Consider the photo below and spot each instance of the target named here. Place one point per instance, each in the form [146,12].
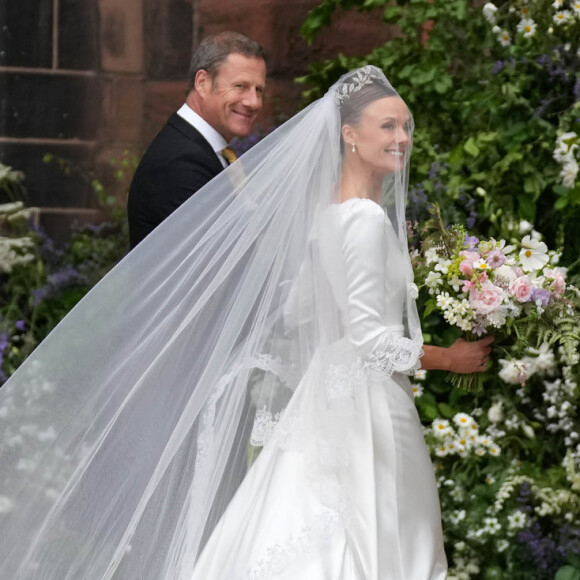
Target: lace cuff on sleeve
[401,355]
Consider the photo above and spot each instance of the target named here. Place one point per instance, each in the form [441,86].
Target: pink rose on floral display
[487,299]
[521,288]
[469,258]
[559,282]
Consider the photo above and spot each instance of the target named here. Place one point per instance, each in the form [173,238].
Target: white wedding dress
[344,488]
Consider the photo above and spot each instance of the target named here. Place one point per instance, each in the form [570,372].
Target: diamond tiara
[364,76]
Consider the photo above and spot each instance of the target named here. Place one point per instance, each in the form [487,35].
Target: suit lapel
[181,125]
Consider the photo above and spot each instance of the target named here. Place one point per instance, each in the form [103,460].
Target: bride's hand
[469,357]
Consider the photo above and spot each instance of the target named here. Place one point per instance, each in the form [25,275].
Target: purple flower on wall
[64,278]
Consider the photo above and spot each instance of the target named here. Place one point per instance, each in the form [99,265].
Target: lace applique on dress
[264,425]
[342,380]
[279,557]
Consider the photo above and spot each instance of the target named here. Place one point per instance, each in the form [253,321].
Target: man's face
[230,104]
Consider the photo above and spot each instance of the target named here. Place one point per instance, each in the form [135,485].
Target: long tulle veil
[126,433]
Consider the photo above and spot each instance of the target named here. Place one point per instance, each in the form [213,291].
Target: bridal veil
[126,433]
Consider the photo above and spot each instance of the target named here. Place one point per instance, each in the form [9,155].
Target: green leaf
[471,147]
[560,189]
[447,411]
[527,207]
[430,412]
[567,573]
[392,14]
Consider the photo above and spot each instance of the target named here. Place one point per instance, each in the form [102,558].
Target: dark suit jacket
[178,162]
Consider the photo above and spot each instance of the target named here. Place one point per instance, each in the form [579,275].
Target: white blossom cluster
[565,154]
[549,501]
[565,12]
[461,437]
[15,251]
[465,566]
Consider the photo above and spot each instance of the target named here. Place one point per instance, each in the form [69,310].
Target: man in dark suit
[226,84]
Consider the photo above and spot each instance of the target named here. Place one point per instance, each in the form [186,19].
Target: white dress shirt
[216,141]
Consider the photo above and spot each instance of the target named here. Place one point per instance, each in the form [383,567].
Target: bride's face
[382,136]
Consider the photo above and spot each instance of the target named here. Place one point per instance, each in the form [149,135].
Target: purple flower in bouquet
[470,243]
[541,296]
[495,259]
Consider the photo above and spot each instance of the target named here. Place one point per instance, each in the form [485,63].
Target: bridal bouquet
[511,290]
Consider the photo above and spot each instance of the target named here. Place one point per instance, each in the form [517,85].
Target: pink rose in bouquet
[487,298]
[521,289]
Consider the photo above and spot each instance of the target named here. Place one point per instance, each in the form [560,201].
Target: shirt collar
[216,141]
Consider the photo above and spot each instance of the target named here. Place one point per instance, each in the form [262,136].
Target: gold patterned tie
[229,155]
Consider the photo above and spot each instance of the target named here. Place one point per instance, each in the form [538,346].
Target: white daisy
[562,16]
[504,38]
[417,391]
[441,428]
[463,420]
[558,4]
[527,27]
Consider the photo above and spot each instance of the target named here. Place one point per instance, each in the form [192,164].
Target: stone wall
[88,80]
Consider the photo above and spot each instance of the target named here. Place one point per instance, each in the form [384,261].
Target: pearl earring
[353,148]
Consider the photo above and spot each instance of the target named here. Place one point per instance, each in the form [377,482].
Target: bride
[231,401]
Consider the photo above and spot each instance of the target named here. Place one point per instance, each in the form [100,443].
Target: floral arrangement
[511,290]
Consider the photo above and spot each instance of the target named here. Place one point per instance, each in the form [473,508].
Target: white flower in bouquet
[481,265]
[417,390]
[527,27]
[525,227]
[558,4]
[431,256]
[497,318]
[576,8]
[443,266]
[533,255]
[433,280]
[504,275]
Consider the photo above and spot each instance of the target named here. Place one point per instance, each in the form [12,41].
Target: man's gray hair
[213,51]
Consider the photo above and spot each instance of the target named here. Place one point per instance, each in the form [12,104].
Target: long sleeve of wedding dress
[344,488]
